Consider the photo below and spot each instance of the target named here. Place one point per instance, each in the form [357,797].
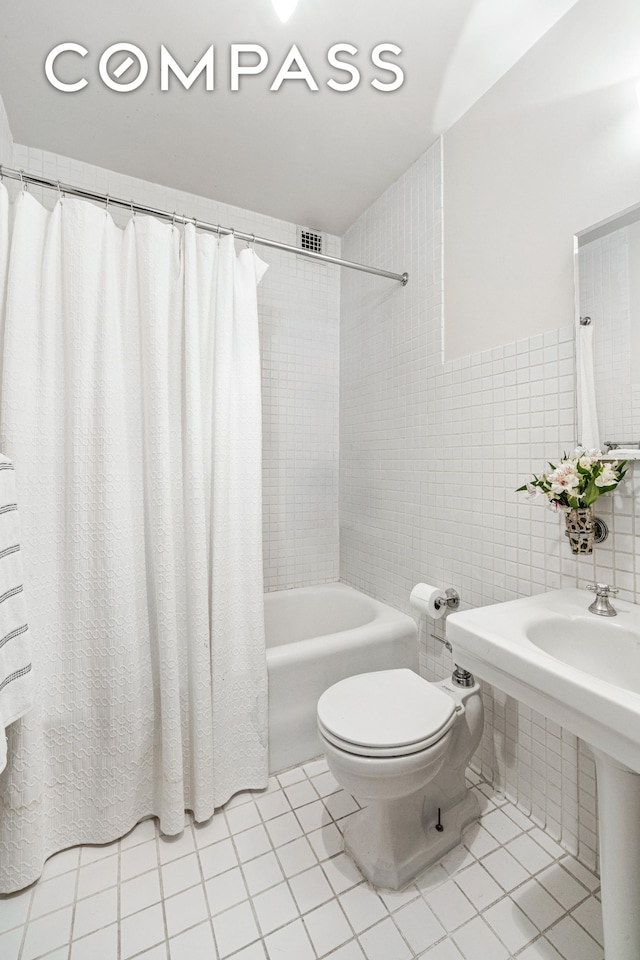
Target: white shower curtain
[130,405]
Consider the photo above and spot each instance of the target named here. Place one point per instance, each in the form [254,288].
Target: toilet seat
[390,713]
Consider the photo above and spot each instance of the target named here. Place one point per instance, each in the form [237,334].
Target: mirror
[608,334]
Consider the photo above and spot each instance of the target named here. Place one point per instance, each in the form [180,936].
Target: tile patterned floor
[266,878]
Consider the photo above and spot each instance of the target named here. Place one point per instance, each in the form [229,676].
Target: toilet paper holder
[450,599]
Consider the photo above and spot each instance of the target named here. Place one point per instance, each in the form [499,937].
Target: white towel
[16,676]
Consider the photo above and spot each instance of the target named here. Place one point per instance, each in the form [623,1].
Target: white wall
[6,140]
[431,454]
[553,147]
[299,316]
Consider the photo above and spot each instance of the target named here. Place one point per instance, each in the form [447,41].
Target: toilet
[400,745]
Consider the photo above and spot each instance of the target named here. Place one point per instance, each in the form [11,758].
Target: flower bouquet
[573,486]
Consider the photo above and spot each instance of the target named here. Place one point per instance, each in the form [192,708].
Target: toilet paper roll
[423,598]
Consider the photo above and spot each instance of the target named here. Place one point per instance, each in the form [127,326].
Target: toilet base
[392,841]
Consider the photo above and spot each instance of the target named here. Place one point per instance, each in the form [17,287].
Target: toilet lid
[385,711]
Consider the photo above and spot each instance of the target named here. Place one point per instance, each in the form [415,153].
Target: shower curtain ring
[218,231]
[173,219]
[106,202]
[133,209]
[1,174]
[22,183]
[60,193]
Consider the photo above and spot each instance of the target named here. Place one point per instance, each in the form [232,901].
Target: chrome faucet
[601,604]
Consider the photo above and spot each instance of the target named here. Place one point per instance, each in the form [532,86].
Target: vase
[580,529]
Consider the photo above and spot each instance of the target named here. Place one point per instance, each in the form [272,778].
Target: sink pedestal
[619,831]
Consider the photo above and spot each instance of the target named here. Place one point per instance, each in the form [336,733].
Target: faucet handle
[602,589]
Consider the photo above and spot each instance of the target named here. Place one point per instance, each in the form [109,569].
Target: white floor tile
[350,951]
[478,840]
[262,873]
[296,856]
[500,826]
[214,830]
[101,943]
[325,784]
[289,943]
[218,858]
[340,804]
[511,925]
[10,943]
[61,863]
[418,925]
[14,909]
[274,908]
[450,905]
[538,904]
[310,889]
[530,854]
[235,928]
[309,900]
[225,890]
[586,877]
[172,848]
[273,805]
[326,842]
[328,927]
[476,940]
[141,931]
[562,886]
[47,933]
[193,944]
[362,906]
[540,950]
[185,909]
[589,916]
[479,886]
[315,767]
[288,777]
[133,862]
[342,873]
[384,942]
[299,794]
[505,869]
[181,874]
[283,829]
[95,912]
[242,818]
[138,893]
[252,843]
[573,942]
[445,950]
[313,816]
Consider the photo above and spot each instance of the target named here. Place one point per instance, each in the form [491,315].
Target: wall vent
[309,240]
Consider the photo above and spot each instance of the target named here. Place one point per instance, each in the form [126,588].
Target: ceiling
[314,158]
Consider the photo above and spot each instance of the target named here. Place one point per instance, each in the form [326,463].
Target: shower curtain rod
[66,188]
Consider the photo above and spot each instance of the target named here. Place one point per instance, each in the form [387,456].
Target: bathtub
[315,637]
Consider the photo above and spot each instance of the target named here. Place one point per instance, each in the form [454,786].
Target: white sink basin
[578,669]
[582,671]
[608,651]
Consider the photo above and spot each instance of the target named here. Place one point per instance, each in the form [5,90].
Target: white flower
[607,477]
[586,462]
[564,478]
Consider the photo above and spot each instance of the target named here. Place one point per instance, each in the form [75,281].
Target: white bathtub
[315,637]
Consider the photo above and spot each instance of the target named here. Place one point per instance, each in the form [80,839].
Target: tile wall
[299,304]
[431,454]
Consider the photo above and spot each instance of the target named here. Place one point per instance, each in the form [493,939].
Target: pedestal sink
[583,672]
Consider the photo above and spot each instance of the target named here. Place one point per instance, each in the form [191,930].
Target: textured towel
[16,678]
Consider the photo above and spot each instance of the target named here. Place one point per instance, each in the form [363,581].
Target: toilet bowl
[400,745]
